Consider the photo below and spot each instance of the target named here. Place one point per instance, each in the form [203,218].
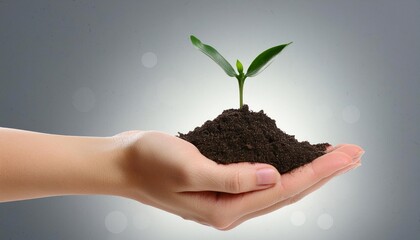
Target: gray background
[102,67]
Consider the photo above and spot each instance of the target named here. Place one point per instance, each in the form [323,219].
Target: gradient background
[97,68]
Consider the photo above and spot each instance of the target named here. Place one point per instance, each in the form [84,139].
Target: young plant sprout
[260,63]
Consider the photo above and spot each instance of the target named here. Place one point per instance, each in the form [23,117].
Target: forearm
[34,165]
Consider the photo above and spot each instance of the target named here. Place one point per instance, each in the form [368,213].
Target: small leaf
[215,55]
[239,66]
[263,60]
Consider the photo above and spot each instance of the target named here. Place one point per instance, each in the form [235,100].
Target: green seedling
[260,63]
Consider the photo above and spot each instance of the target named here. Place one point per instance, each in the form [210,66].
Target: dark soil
[240,135]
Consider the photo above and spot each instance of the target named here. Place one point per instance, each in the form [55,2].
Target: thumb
[238,177]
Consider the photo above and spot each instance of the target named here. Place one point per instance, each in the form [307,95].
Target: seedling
[260,63]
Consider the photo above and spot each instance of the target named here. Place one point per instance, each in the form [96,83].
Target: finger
[245,177]
[293,183]
[332,148]
[293,199]
[317,185]
[350,149]
[304,177]
[234,178]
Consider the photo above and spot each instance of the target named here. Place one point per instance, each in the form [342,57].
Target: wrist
[96,165]
[125,152]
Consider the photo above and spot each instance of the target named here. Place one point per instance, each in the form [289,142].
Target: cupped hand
[169,173]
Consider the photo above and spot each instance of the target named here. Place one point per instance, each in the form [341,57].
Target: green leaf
[239,66]
[263,60]
[215,55]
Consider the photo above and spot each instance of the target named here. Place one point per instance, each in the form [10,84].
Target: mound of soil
[241,135]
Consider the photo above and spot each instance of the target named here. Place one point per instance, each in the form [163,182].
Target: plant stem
[241,90]
[241,81]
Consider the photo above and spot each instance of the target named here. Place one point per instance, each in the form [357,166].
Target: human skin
[159,170]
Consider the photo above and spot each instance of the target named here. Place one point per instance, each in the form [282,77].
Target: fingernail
[266,176]
[358,156]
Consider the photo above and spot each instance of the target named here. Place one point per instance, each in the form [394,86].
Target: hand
[160,170]
[169,173]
